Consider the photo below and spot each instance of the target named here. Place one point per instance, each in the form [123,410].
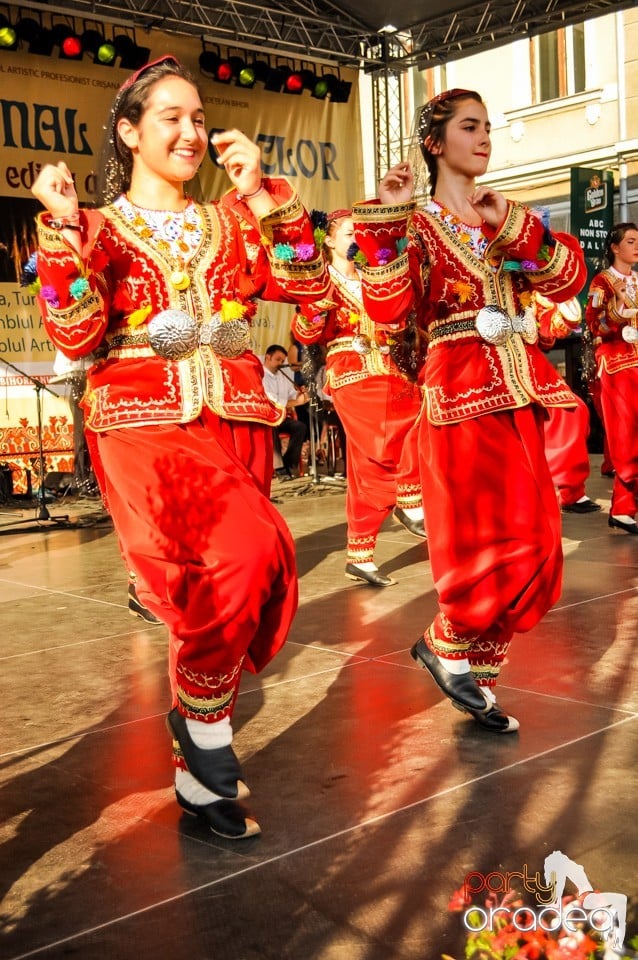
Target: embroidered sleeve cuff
[519,237]
[381,229]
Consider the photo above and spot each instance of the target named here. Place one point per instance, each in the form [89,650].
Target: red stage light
[72,47]
[294,83]
[224,72]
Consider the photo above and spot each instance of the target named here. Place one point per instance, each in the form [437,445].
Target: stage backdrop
[53,109]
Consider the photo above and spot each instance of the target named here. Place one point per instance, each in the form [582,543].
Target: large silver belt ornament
[174,335]
[228,338]
[361,344]
[495,326]
[629,334]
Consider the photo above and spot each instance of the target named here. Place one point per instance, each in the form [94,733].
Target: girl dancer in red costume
[162,288]
[492,517]
[376,402]
[612,317]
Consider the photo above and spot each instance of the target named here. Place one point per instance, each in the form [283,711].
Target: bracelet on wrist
[66,223]
[251,196]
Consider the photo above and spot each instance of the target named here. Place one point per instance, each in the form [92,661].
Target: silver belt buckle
[493,325]
[361,344]
[229,338]
[173,334]
[525,324]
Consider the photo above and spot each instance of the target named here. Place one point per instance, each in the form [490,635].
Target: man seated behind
[282,390]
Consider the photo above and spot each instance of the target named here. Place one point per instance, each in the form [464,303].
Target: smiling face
[465,146]
[170,141]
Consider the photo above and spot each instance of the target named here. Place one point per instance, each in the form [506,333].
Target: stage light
[131,56]
[321,89]
[341,93]
[208,62]
[246,77]
[293,82]
[106,54]
[71,48]
[8,34]
[224,71]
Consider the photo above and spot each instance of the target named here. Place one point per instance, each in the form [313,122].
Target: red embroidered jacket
[343,326]
[126,273]
[613,354]
[439,282]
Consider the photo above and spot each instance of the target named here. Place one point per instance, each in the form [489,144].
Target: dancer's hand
[398,184]
[490,205]
[55,190]
[241,159]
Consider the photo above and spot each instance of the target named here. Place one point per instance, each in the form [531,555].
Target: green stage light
[8,37]
[320,89]
[246,77]
[105,53]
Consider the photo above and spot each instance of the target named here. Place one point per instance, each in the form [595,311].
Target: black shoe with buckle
[373,577]
[217,769]
[581,506]
[137,609]
[494,720]
[415,527]
[226,818]
[627,527]
[461,688]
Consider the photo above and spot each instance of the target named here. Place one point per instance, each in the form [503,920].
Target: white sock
[192,790]
[368,565]
[582,499]
[488,693]
[210,736]
[623,517]
[455,666]
[413,513]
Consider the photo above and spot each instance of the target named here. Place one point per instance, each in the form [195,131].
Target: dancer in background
[376,402]
[492,516]
[566,428]
[162,287]
[612,317]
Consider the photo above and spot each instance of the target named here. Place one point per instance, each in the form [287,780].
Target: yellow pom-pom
[138,317]
[231,310]
[353,319]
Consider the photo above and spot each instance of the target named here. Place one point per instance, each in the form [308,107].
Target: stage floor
[375,797]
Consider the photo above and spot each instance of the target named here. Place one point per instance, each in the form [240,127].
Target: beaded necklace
[175,233]
[472,237]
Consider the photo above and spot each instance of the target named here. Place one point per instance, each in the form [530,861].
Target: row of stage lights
[283,77]
[29,33]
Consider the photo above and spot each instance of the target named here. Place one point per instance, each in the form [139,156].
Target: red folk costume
[566,429]
[215,560]
[614,333]
[491,511]
[377,405]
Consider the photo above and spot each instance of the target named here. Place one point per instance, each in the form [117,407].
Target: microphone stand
[43,512]
[309,371]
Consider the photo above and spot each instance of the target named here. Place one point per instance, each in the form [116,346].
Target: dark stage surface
[375,797]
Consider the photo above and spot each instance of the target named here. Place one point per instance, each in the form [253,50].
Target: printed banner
[592,215]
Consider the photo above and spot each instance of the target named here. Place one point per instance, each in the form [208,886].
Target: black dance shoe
[581,506]
[216,769]
[415,527]
[461,688]
[137,609]
[627,527]
[373,577]
[494,720]
[226,818]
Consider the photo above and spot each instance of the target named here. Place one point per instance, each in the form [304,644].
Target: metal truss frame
[323,31]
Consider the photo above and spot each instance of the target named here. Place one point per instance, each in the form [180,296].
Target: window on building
[558,63]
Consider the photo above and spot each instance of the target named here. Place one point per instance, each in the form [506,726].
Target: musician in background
[281,389]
